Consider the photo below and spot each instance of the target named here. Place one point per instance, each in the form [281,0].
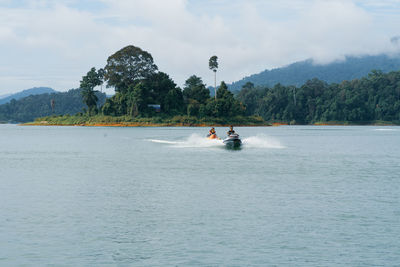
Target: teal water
[292,196]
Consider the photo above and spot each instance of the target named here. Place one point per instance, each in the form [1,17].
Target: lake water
[292,196]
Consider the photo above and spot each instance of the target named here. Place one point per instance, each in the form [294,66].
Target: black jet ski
[233,141]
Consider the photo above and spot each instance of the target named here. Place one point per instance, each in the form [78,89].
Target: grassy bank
[360,123]
[101,120]
[340,123]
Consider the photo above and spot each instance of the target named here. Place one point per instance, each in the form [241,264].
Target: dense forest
[143,91]
[139,86]
[300,72]
[33,106]
[369,99]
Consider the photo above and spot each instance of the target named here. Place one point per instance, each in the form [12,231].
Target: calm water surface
[292,196]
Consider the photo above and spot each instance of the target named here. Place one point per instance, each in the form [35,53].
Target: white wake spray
[386,129]
[261,141]
[164,141]
[195,140]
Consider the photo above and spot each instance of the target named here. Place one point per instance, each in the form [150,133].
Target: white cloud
[55,43]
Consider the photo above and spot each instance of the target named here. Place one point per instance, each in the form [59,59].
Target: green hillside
[372,99]
[25,93]
[298,73]
[33,106]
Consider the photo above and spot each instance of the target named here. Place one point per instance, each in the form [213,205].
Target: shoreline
[144,124]
[136,124]
[126,121]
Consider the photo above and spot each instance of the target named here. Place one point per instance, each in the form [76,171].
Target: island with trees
[145,96]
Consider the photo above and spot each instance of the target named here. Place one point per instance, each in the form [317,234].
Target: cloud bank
[54,43]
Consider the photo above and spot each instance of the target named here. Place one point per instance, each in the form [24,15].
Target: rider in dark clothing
[231,131]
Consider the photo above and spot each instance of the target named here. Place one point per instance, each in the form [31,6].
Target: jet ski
[232,141]
[212,136]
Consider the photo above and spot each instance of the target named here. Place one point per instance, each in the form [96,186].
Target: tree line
[372,98]
[300,72]
[139,86]
[34,106]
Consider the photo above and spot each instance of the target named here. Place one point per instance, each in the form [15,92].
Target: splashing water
[385,129]
[195,140]
[262,141]
[163,141]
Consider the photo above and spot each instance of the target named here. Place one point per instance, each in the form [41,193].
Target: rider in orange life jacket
[231,131]
[211,132]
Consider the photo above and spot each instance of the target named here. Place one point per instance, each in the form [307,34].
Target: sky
[53,43]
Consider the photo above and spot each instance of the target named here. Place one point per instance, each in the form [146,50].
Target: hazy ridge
[300,72]
[25,93]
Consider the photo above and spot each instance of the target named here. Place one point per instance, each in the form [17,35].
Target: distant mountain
[4,96]
[25,93]
[300,72]
[28,108]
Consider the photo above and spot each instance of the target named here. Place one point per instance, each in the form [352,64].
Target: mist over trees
[300,72]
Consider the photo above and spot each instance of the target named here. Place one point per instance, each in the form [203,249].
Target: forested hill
[300,72]
[27,92]
[374,98]
[33,106]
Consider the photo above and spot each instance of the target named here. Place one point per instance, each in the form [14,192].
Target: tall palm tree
[213,65]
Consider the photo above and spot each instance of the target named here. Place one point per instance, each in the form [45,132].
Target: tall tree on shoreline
[213,65]
[127,67]
[92,79]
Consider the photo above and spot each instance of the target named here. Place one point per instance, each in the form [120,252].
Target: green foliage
[370,99]
[178,120]
[31,107]
[27,92]
[140,90]
[213,63]
[195,89]
[159,84]
[300,72]
[225,104]
[193,108]
[133,74]
[173,102]
[88,83]
[92,79]
[127,67]
[137,99]
[251,98]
